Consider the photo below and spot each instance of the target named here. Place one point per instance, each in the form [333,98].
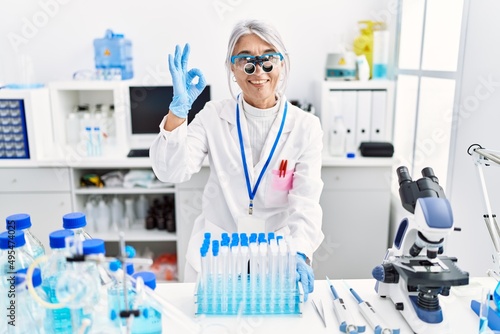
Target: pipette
[345,318]
[373,319]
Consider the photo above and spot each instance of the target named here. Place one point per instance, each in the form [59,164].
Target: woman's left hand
[305,275]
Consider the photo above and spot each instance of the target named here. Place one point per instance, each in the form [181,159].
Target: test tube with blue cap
[215,272]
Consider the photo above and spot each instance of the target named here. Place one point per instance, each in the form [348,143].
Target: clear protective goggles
[248,63]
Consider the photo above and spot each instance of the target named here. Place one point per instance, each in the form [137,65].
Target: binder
[378,122]
[364,117]
[349,112]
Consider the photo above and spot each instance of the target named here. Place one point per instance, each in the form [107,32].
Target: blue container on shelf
[113,56]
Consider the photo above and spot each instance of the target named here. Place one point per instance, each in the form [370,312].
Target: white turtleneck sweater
[259,121]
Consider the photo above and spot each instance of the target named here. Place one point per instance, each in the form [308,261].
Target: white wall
[478,121]
[58,34]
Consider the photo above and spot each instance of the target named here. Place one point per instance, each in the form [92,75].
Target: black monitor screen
[149,104]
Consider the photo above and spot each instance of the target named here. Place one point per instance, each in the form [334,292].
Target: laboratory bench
[456,310]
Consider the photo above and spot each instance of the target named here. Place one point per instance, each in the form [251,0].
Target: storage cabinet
[356,207]
[42,192]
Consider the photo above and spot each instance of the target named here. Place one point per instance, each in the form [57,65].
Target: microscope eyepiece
[403,175]
[429,172]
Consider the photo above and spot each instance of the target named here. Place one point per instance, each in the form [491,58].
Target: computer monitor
[148,106]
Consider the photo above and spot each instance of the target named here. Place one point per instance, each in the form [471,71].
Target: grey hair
[268,34]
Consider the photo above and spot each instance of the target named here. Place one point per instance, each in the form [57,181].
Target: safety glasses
[248,63]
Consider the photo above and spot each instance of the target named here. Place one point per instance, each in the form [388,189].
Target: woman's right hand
[185,92]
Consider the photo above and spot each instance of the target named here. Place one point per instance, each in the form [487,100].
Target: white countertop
[456,310]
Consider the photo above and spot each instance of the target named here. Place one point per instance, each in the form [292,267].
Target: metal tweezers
[320,311]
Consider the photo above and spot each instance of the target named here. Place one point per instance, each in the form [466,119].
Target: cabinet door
[355,223]
[188,203]
[46,211]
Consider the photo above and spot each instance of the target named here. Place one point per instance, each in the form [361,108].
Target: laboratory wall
[57,35]
[477,121]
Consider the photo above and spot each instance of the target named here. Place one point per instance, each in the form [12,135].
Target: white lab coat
[178,154]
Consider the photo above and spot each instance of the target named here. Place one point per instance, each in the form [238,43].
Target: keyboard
[138,153]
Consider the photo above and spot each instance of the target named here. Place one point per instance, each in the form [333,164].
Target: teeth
[258,82]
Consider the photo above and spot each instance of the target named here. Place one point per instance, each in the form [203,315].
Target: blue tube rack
[280,301]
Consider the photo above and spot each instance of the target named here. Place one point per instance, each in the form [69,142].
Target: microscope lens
[403,175]
[429,172]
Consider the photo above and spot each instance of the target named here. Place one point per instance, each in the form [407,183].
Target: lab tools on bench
[248,275]
[372,317]
[413,281]
[344,317]
[319,309]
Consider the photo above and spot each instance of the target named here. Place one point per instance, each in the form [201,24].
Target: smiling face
[259,88]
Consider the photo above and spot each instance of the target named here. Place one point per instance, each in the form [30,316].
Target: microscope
[415,270]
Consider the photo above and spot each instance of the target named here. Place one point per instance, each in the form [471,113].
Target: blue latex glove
[305,275]
[185,92]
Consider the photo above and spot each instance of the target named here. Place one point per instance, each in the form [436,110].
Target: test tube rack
[248,276]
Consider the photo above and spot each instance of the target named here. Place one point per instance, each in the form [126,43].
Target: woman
[264,153]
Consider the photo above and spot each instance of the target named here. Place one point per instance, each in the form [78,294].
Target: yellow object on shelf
[363,44]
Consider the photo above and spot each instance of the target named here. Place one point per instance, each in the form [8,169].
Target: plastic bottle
[29,315]
[117,212]
[72,128]
[35,309]
[103,216]
[149,321]
[363,68]
[337,137]
[22,221]
[58,321]
[380,54]
[98,311]
[142,206]
[76,222]
[91,215]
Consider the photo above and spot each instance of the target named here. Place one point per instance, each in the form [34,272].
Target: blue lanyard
[251,193]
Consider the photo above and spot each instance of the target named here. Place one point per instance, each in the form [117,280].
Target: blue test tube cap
[207,235]
[278,238]
[36,278]
[93,246]
[351,155]
[244,242]
[262,237]
[130,252]
[11,238]
[224,236]
[19,221]
[243,236]
[224,242]
[57,239]
[235,243]
[253,237]
[148,277]
[270,236]
[74,220]
[203,251]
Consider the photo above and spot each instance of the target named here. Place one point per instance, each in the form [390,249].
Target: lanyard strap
[251,193]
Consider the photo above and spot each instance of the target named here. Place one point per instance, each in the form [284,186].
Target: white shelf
[124,191]
[138,235]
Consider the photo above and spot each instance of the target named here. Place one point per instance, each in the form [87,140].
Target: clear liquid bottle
[116,297]
[117,214]
[149,320]
[97,312]
[28,314]
[37,311]
[11,242]
[76,222]
[22,221]
[63,320]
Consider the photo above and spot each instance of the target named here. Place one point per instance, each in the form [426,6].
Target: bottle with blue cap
[28,316]
[76,222]
[58,321]
[116,299]
[25,299]
[97,311]
[149,320]
[22,221]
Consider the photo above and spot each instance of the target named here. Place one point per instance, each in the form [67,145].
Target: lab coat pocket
[278,188]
